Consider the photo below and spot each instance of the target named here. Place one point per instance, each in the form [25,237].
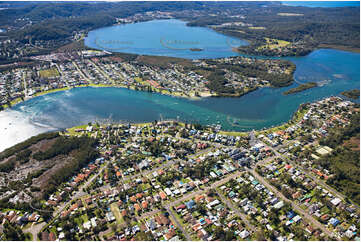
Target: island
[301,88]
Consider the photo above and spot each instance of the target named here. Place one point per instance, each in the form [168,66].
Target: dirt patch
[54,165]
[42,145]
[162,61]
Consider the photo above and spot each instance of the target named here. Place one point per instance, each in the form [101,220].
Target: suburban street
[294,205]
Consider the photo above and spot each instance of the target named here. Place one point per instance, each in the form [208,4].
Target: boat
[196,49]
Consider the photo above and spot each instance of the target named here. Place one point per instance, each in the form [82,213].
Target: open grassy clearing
[273,44]
[48,73]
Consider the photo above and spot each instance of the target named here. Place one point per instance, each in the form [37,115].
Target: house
[168,192]
[334,222]
[336,201]
[162,195]
[291,214]
[181,207]
[171,233]
[297,218]
[144,204]
[244,234]
[164,219]
[137,207]
[278,205]
[190,204]
[45,236]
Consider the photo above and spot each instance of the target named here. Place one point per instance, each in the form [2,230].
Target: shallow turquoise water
[339,70]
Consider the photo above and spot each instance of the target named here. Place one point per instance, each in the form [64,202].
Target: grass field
[233,133]
[257,28]
[48,73]
[274,43]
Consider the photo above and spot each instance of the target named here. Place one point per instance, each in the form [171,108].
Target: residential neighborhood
[65,70]
[171,181]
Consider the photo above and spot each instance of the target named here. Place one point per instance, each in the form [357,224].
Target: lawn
[48,73]
[115,210]
[72,130]
[233,133]
[256,27]
[274,43]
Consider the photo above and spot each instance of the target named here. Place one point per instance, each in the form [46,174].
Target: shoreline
[132,87]
[43,93]
[296,117]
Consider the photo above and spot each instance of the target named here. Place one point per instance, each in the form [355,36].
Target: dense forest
[344,162]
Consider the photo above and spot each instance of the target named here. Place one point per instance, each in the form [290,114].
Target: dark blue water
[323,4]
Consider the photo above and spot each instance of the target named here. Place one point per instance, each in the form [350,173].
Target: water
[323,4]
[163,38]
[335,70]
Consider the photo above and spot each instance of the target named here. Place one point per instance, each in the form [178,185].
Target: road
[294,205]
[62,74]
[81,72]
[103,72]
[188,237]
[35,229]
[236,210]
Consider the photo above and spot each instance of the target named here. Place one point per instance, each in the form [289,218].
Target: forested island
[300,88]
[354,94]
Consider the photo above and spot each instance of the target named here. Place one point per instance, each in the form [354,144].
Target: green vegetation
[8,165]
[305,28]
[215,73]
[354,94]
[300,88]
[344,162]
[23,156]
[12,232]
